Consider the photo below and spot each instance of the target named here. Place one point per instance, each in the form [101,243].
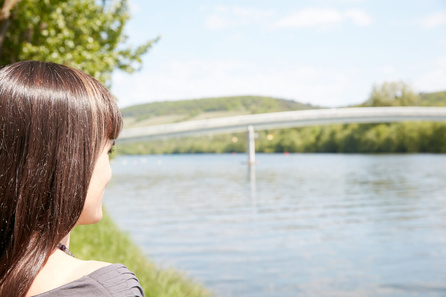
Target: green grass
[105,242]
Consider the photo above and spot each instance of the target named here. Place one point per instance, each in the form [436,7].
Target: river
[293,225]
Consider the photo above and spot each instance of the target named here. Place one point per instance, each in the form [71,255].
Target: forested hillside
[177,111]
[406,137]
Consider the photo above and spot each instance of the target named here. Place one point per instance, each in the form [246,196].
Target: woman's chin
[91,219]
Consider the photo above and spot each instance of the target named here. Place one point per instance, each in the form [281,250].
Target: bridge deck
[286,120]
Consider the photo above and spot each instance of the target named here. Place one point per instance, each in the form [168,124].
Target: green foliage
[105,242]
[392,94]
[193,145]
[84,34]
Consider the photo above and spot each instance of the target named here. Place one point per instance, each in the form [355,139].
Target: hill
[433,99]
[156,113]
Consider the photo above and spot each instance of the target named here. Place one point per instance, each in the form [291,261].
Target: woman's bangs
[109,119]
[113,121]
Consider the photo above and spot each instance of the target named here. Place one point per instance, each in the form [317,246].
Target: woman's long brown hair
[54,121]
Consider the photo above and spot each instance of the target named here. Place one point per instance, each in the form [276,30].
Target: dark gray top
[113,280]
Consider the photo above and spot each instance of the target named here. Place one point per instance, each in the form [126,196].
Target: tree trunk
[5,13]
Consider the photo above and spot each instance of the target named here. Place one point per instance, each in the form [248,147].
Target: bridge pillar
[251,145]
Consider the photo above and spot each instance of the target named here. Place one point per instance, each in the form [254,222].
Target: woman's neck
[66,240]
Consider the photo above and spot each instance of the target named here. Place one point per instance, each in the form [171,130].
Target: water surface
[296,225]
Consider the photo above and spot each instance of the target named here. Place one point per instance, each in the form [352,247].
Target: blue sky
[327,53]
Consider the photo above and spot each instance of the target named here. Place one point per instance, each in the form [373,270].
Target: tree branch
[8,5]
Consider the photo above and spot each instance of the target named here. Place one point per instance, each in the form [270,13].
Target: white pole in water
[251,145]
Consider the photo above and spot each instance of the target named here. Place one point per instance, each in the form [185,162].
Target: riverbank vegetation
[402,137]
[105,242]
[407,137]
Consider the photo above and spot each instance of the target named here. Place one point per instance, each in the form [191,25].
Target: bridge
[287,119]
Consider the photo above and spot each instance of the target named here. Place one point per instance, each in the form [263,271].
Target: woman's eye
[112,148]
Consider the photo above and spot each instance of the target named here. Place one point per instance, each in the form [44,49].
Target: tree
[83,34]
[392,94]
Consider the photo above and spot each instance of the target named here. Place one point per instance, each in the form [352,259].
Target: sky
[328,53]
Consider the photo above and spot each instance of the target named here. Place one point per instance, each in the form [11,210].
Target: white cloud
[318,85]
[225,17]
[311,17]
[434,20]
[343,1]
[434,78]
[387,70]
[250,14]
[216,22]
[134,7]
[228,77]
[237,37]
[323,18]
[359,17]
[221,9]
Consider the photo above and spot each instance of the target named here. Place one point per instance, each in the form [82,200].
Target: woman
[57,128]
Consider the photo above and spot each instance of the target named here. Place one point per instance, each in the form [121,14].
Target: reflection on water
[252,183]
[304,224]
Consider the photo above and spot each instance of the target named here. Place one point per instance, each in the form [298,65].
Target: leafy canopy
[392,94]
[84,34]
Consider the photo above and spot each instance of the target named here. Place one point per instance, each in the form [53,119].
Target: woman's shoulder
[106,280]
[118,279]
[87,267]
[61,269]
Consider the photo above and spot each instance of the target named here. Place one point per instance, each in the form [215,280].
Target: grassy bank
[105,242]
